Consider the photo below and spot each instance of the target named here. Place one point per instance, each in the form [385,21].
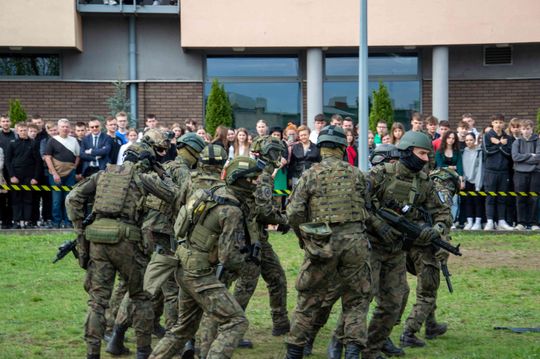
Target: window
[29,65]
[399,72]
[259,88]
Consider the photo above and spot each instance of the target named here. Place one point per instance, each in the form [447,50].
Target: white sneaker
[490,226]
[105,2]
[469,224]
[535,228]
[156,2]
[520,227]
[477,226]
[113,2]
[503,226]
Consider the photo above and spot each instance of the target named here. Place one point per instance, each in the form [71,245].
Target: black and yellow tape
[277,192]
[33,187]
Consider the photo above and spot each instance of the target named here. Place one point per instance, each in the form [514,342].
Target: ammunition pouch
[111,231]
[316,238]
[194,262]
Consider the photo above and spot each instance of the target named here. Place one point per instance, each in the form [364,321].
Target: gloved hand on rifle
[424,239]
[387,233]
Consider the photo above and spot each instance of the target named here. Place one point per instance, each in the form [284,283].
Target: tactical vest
[335,199]
[116,197]
[402,195]
[200,227]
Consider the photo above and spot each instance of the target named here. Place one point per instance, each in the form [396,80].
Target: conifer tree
[218,108]
[382,108]
[16,112]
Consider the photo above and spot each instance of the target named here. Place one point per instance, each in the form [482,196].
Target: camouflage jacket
[160,214]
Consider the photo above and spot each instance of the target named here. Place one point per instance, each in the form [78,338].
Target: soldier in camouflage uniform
[405,188]
[327,210]
[212,228]
[115,241]
[267,149]
[424,262]
[381,154]
[157,232]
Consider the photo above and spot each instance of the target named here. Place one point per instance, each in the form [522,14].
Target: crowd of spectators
[497,158]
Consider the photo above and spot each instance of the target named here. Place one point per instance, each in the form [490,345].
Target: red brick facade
[78,101]
[483,98]
[179,101]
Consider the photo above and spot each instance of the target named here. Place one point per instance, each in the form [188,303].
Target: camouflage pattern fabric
[127,256]
[201,292]
[349,262]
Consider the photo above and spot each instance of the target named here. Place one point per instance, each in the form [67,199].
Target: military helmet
[192,140]
[447,177]
[332,134]
[415,139]
[383,153]
[213,155]
[156,139]
[243,167]
[270,148]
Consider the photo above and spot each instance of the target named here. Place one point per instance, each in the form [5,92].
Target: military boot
[189,350]
[352,351]
[434,330]
[144,352]
[93,356]
[335,348]
[281,324]
[294,352]
[391,350]
[308,348]
[409,339]
[116,344]
[245,344]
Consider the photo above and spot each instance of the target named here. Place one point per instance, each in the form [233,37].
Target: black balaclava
[411,161]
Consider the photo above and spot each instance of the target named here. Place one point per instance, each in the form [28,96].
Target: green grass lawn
[496,283]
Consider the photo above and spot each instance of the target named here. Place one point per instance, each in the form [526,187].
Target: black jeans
[471,206]
[526,205]
[496,205]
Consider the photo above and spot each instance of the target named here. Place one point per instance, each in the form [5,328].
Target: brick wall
[78,101]
[483,98]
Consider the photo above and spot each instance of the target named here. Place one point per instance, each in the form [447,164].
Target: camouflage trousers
[273,274]
[203,294]
[106,260]
[390,290]
[350,265]
[428,280]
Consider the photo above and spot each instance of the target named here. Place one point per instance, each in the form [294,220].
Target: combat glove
[424,239]
[387,233]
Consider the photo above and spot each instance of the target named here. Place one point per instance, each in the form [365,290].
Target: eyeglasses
[93,126]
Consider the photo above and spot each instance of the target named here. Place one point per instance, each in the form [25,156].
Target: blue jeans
[59,197]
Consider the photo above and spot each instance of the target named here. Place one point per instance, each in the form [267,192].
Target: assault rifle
[71,246]
[411,230]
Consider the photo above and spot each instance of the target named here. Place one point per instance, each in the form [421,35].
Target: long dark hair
[455,146]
